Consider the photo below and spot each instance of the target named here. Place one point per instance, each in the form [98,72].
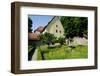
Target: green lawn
[62,52]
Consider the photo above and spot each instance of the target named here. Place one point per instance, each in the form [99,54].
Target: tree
[30,43]
[61,40]
[29,24]
[48,38]
[74,26]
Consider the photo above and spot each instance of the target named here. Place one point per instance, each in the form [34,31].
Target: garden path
[34,57]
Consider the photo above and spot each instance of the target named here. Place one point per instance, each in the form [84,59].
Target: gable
[53,22]
[55,27]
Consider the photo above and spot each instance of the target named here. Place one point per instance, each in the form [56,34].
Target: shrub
[61,40]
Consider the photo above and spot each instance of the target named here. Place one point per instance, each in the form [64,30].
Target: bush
[61,40]
[48,38]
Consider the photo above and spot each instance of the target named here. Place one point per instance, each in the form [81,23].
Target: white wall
[5,33]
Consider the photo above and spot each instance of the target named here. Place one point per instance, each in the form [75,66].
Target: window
[60,31]
[56,31]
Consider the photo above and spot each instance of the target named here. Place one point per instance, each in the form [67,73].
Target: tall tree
[74,26]
[29,24]
[30,43]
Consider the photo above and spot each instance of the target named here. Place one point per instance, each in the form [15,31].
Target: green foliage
[61,40]
[74,26]
[48,38]
[29,25]
[30,47]
[39,57]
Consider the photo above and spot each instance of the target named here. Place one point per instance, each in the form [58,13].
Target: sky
[39,20]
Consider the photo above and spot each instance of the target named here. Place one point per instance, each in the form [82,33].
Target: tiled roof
[33,36]
[40,29]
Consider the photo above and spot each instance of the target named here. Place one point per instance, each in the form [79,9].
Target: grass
[62,52]
[30,48]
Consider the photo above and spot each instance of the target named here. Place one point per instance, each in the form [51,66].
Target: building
[54,27]
[39,30]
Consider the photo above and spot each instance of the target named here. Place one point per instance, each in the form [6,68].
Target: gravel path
[34,57]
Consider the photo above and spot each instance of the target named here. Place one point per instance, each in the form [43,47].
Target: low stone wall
[78,41]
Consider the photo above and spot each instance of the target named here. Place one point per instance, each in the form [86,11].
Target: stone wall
[78,41]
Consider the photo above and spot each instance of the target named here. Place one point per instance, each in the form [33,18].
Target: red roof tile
[33,36]
[40,29]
